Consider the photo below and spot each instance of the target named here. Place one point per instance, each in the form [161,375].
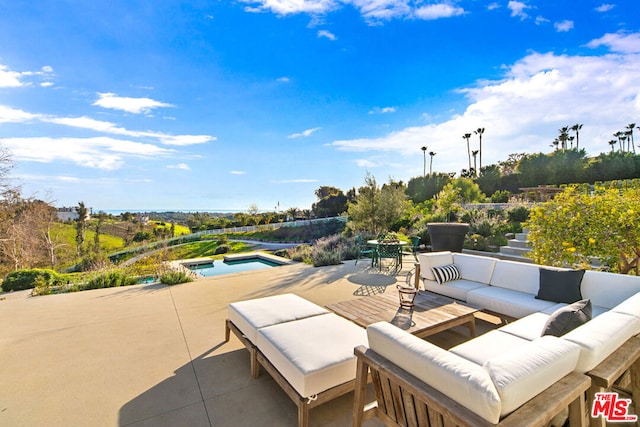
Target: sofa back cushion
[461,380]
[521,374]
[475,268]
[433,259]
[517,276]
[608,289]
[601,336]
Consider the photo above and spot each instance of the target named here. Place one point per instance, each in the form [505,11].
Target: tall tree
[431,154]
[81,225]
[612,143]
[424,160]
[619,136]
[630,127]
[467,136]
[480,132]
[474,153]
[576,128]
[564,137]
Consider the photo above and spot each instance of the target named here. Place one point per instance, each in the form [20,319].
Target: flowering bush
[575,227]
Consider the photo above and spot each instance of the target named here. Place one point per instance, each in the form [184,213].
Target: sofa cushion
[568,318]
[313,354]
[506,301]
[433,259]
[601,336]
[463,381]
[529,327]
[608,289]
[629,306]
[457,289]
[528,370]
[488,346]
[560,286]
[475,268]
[251,315]
[445,273]
[517,276]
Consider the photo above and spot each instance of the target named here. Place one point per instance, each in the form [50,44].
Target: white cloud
[286,7]
[305,133]
[493,6]
[563,26]
[182,166]
[108,127]
[373,11]
[327,34]
[518,9]
[11,115]
[605,7]
[283,79]
[9,78]
[541,20]
[523,111]
[130,105]
[383,110]
[437,11]
[619,42]
[100,153]
[237,172]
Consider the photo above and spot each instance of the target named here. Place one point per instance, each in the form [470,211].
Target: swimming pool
[219,267]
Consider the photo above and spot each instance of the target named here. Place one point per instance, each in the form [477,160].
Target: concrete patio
[153,355]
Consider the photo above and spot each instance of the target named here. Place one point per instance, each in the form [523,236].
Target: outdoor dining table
[385,248]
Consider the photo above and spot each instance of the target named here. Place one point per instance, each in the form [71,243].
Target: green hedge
[175,278]
[28,279]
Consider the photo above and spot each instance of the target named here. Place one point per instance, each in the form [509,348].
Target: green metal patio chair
[365,250]
[413,250]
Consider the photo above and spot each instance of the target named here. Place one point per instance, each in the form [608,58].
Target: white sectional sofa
[496,373]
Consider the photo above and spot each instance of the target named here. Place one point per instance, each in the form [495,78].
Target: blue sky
[211,105]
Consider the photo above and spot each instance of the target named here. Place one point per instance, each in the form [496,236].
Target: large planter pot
[447,236]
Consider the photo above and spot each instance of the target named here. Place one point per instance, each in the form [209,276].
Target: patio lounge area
[155,355]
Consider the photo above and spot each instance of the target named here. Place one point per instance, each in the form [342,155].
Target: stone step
[507,250]
[515,243]
[521,236]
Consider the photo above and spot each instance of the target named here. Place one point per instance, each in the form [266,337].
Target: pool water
[216,268]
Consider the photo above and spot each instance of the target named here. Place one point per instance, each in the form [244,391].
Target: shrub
[518,214]
[222,249]
[301,253]
[175,278]
[110,279]
[500,196]
[28,279]
[332,250]
[321,256]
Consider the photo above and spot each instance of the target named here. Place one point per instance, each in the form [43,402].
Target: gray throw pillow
[560,285]
[568,318]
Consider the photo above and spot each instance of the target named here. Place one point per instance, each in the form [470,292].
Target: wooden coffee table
[431,314]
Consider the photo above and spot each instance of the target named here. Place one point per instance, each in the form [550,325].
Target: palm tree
[576,128]
[479,132]
[619,136]
[612,143]
[431,153]
[424,162]
[630,126]
[563,137]
[571,138]
[474,153]
[467,136]
[623,139]
[555,143]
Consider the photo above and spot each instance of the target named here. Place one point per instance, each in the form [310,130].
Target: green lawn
[204,248]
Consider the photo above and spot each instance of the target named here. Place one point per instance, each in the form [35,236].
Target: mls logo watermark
[612,408]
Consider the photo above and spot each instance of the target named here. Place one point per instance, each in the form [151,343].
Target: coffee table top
[431,314]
